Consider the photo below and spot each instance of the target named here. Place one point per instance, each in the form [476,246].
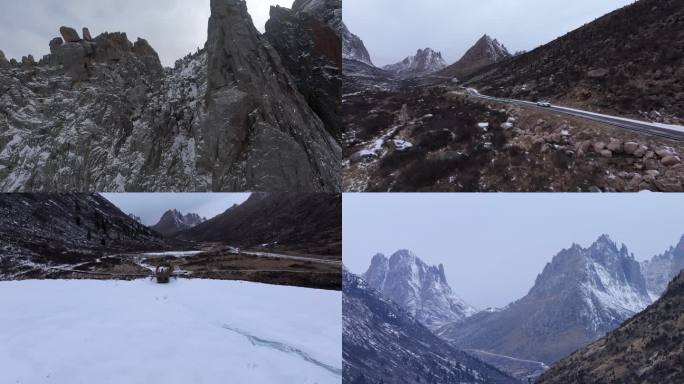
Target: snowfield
[190,331]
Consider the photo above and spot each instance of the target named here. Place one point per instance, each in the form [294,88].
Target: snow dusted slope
[353,47]
[581,294]
[661,269]
[420,289]
[385,344]
[191,331]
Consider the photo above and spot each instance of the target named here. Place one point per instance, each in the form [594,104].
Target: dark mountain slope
[486,51]
[382,343]
[628,61]
[67,228]
[281,221]
[649,348]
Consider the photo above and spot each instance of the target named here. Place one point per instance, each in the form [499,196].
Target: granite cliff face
[257,121]
[307,38]
[102,114]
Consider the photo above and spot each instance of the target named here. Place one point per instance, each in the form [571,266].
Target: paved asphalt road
[643,127]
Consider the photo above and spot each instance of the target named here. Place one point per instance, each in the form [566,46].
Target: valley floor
[199,331]
[204,261]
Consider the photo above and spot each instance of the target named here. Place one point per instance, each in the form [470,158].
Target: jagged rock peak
[69,34]
[353,47]
[419,288]
[254,107]
[424,62]
[3,60]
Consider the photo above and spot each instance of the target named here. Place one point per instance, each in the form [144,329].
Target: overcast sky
[394,29]
[493,246]
[151,206]
[174,28]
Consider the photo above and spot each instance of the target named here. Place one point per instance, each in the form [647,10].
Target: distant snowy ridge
[425,61]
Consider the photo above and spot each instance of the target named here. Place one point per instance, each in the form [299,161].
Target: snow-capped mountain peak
[419,288]
[425,61]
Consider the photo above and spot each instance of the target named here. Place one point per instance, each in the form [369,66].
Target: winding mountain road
[674,132]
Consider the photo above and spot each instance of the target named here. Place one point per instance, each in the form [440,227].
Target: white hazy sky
[174,28]
[493,246]
[151,206]
[394,29]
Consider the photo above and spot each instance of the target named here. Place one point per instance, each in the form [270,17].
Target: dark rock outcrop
[102,114]
[69,34]
[260,134]
[86,34]
[3,60]
[310,48]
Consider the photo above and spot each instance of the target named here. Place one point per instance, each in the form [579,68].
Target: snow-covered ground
[190,331]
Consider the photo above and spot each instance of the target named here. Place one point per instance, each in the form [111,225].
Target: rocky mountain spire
[260,133]
[307,38]
[421,289]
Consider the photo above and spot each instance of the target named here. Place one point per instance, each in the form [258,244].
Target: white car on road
[544,104]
